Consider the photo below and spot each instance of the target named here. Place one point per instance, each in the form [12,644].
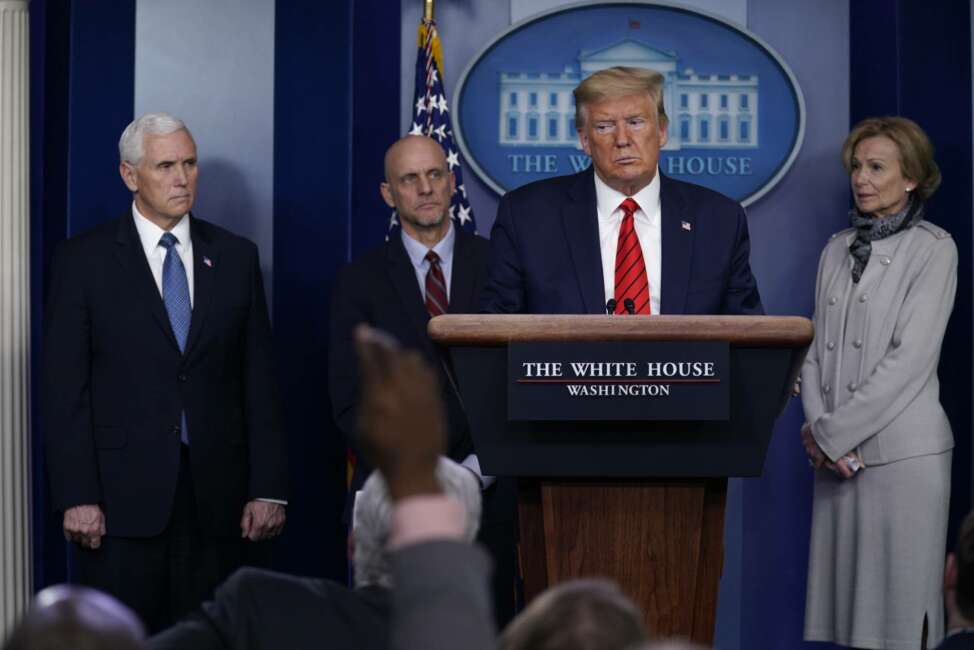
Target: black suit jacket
[380,288]
[115,382]
[257,609]
[546,257]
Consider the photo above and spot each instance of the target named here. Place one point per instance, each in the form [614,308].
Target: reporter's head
[589,614]
[68,617]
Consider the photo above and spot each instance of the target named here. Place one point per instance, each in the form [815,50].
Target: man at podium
[620,236]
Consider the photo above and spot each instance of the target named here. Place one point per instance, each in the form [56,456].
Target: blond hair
[915,151]
[619,81]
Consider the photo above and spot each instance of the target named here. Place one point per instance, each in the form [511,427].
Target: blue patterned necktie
[175,293]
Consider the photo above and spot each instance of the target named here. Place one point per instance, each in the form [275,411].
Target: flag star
[420,105]
[464,215]
[416,130]
[433,75]
[443,105]
[393,221]
[453,159]
[463,190]
[453,212]
[440,132]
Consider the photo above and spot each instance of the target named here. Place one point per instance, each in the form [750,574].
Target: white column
[15,550]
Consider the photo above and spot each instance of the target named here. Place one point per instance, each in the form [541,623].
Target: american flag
[431,117]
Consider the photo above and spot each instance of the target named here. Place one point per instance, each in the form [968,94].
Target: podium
[641,502]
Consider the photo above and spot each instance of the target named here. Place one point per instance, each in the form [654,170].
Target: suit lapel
[204,275]
[581,225]
[677,233]
[463,276]
[403,278]
[131,257]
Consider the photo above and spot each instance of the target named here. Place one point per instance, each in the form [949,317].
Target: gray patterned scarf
[869,229]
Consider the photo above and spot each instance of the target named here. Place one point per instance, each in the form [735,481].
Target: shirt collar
[608,199]
[150,233]
[417,251]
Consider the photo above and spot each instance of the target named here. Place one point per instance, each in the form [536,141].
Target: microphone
[630,306]
[610,307]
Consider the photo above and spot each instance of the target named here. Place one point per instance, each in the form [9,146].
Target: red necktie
[436,300]
[631,279]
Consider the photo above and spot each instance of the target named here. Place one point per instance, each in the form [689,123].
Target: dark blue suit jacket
[380,288]
[115,383]
[263,609]
[545,255]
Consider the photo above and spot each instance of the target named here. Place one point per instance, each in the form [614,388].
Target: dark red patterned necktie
[436,300]
[631,279]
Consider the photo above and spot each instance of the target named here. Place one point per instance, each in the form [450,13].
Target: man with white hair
[372,519]
[164,451]
[263,609]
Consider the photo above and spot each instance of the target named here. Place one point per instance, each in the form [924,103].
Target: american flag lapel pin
[209,262]
[686,226]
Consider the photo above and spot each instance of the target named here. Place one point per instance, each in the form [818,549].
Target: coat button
[181,377]
[857,343]
[852,386]
[863,298]
[833,300]
[830,345]
[826,389]
[885,260]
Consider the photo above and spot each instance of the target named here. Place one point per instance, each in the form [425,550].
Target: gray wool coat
[869,382]
[869,385]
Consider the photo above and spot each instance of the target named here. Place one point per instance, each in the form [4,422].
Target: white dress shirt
[149,235]
[647,222]
[417,255]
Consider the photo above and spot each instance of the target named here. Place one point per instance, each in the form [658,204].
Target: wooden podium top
[501,329]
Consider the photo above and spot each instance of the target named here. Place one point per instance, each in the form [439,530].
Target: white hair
[131,144]
[372,519]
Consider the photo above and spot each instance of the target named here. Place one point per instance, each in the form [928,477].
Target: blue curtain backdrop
[77,104]
[312,144]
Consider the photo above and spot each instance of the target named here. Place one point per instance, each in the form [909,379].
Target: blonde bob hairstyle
[916,152]
[620,81]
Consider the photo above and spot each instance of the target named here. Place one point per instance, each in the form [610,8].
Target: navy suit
[116,383]
[546,259]
[380,289]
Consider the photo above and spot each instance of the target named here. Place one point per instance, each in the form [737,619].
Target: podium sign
[617,479]
[618,380]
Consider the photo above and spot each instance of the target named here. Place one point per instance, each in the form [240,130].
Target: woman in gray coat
[875,432]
